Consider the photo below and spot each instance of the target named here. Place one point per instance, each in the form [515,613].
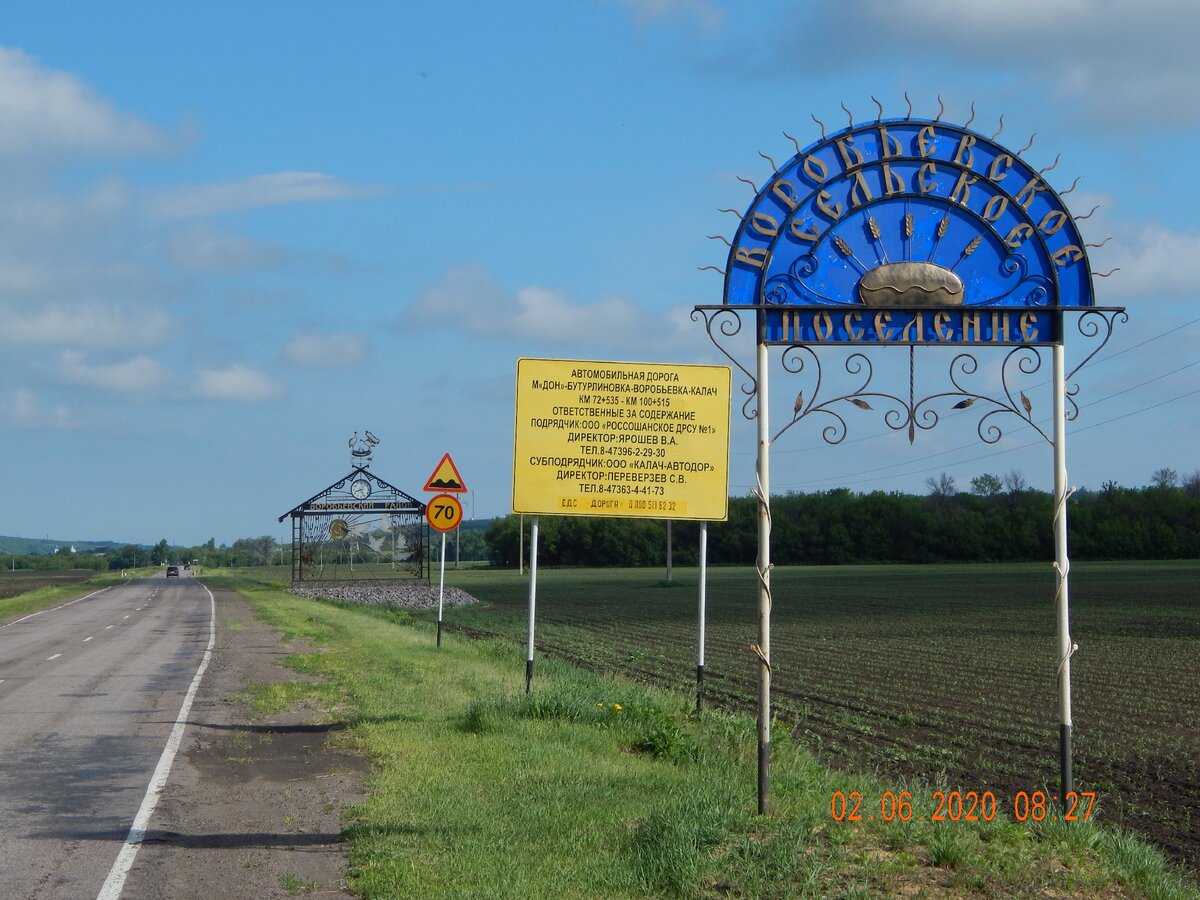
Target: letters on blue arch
[908,231]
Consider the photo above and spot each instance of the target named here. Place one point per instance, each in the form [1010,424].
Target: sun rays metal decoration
[914,233]
[358,527]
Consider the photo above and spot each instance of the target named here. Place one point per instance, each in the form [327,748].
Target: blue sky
[233,235]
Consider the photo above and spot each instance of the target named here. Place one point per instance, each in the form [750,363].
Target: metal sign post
[700,638]
[441,587]
[1062,569]
[533,551]
[762,649]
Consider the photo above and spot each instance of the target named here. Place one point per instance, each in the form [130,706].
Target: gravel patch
[405,595]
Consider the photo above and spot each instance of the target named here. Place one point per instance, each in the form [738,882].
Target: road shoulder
[253,807]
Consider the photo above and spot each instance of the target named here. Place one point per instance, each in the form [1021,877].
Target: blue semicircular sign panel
[909,231]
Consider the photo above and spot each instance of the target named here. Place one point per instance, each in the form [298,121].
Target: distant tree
[942,486]
[1164,478]
[160,553]
[838,526]
[128,557]
[1191,484]
[986,485]
[1015,483]
[252,551]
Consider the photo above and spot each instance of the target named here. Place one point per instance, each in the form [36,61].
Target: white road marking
[124,862]
[55,656]
[126,616]
[106,627]
[88,638]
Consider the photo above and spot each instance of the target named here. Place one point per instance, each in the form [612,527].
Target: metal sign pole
[700,641]
[441,589]
[1062,567]
[669,575]
[763,648]
[533,551]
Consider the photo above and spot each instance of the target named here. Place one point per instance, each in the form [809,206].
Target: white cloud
[702,12]
[140,376]
[145,378]
[254,192]
[470,301]
[32,212]
[207,250]
[1154,263]
[24,409]
[1110,65]
[237,382]
[48,112]
[84,323]
[327,351]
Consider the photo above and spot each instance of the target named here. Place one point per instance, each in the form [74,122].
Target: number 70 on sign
[444,512]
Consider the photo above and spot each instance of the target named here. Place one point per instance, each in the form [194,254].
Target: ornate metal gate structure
[910,233]
[359,527]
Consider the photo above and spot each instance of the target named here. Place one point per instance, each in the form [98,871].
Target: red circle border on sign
[438,526]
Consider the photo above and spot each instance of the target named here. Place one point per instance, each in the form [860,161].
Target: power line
[1141,385]
[1138,411]
[1149,340]
[842,480]
[1173,330]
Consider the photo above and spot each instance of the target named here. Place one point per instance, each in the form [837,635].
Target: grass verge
[43,597]
[594,787]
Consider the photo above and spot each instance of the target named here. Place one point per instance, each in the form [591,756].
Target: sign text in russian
[621,439]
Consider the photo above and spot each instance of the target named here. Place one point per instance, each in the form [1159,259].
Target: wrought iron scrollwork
[797,358]
[900,414]
[728,323]
[1020,364]
[1026,361]
[1093,324]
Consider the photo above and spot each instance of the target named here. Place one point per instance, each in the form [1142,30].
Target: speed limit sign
[444,512]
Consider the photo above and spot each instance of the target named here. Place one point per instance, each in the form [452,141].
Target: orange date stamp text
[961,806]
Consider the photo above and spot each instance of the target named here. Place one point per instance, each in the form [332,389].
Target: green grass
[294,886]
[37,592]
[599,787]
[283,696]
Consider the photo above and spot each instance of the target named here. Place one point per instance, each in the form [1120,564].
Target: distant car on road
[172,570]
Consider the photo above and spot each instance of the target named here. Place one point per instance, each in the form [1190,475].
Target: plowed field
[946,673]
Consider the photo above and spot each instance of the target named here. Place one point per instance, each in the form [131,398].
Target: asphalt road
[89,694]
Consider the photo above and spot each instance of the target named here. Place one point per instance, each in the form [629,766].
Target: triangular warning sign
[445,478]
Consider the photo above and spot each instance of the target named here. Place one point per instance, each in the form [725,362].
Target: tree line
[1000,519]
[467,543]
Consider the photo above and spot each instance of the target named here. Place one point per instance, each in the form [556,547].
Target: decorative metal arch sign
[360,512]
[911,232]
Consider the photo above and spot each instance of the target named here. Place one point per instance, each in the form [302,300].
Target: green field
[22,581]
[946,673]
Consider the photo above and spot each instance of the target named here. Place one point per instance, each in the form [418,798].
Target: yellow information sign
[621,439]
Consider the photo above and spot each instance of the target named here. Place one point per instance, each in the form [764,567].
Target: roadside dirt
[253,807]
